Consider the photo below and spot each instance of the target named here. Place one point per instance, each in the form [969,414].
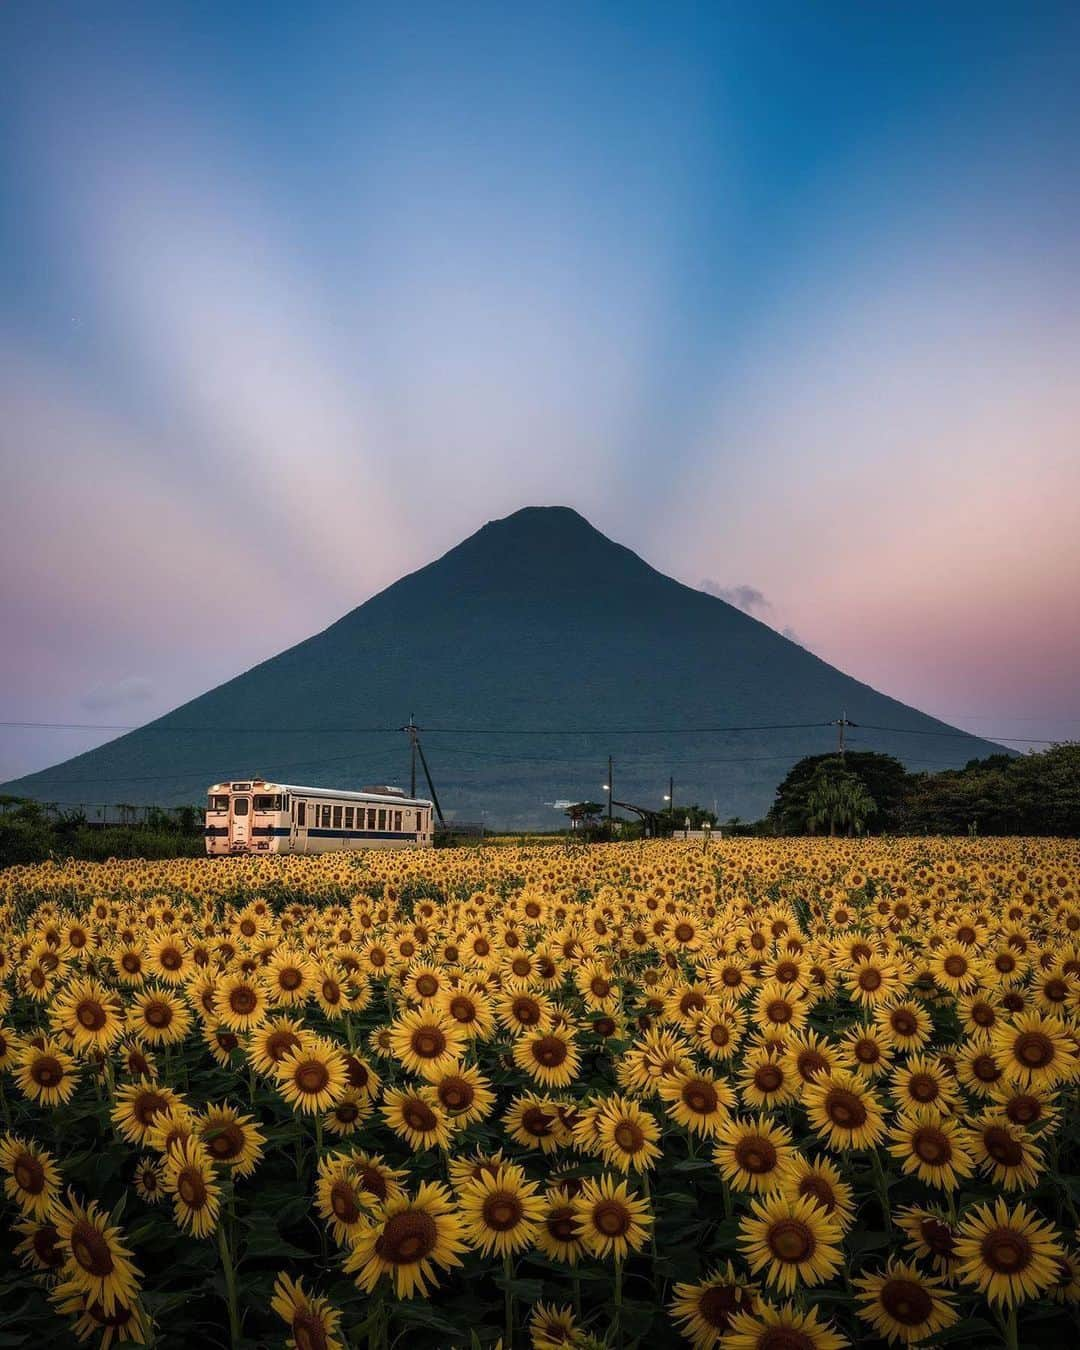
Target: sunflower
[765,1079]
[751,1153]
[159,1017]
[426,1042]
[241,1002]
[931,1146]
[783,1328]
[700,1102]
[348,1113]
[232,1139]
[45,1072]
[272,1041]
[189,1179]
[32,1180]
[791,1240]
[924,1082]
[705,1309]
[524,1010]
[312,1077]
[90,1014]
[1066,1288]
[408,1240]
[126,1323]
[11,1045]
[874,981]
[312,1321]
[167,958]
[1028,1107]
[171,1126]
[500,1211]
[341,1198]
[610,1220]
[464,1094]
[1004,1151]
[956,969]
[40,1248]
[780,1007]
[819,1179]
[97,1262]
[930,1236]
[558,1234]
[902,1304]
[288,977]
[416,1115]
[470,1009]
[1034,1050]
[1009,1255]
[548,1056]
[905,1026]
[149,1180]
[535,1122]
[137,1107]
[844,1111]
[551,1328]
[627,1135]
[808,1055]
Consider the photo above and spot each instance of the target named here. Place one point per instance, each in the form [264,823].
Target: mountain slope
[535,622]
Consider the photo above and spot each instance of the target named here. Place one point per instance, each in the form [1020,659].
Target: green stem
[1009,1334]
[882,1189]
[618,1302]
[230,1285]
[508,1277]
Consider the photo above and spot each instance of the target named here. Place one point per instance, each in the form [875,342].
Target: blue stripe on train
[283,832]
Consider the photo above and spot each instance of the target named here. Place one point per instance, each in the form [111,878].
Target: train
[252,816]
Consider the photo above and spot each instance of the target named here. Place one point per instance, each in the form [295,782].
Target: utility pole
[411,729]
[610,790]
[671,801]
[842,725]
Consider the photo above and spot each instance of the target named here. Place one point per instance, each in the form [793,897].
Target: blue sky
[292,298]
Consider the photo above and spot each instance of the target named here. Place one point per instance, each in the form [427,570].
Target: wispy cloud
[123,693]
[747,598]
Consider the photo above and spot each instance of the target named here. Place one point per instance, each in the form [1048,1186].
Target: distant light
[604,786]
[666,797]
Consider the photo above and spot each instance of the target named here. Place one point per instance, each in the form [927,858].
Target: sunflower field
[766,1095]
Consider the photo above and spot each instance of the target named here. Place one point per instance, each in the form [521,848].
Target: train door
[240,833]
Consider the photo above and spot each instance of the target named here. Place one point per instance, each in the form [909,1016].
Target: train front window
[218,803]
[240,805]
[267,803]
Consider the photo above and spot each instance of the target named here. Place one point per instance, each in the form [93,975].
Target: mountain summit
[536,624]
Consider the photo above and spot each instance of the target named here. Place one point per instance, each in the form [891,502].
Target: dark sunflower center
[561,1225]
[955,966]
[502,1210]
[308,1331]
[343,1202]
[867,1051]
[1034,1049]
[870,980]
[700,1097]
[407,1238]
[611,1218]
[683,932]
[456,1094]
[191,1187]
[419,1116]
[986,1069]
[243,1000]
[931,1145]
[845,1109]
[429,1043]
[29,1174]
[719,1303]
[903,1023]
[536,1121]
[47,1071]
[290,978]
[629,1136]
[427,986]
[1006,1251]
[312,1077]
[923,1087]
[1002,1147]
[1023,1110]
[550,1051]
[526,1011]
[146,1106]
[228,1142]
[756,1154]
[767,1078]
[371,1179]
[818,1189]
[91,1015]
[91,1250]
[46,1248]
[279,1043]
[791,1240]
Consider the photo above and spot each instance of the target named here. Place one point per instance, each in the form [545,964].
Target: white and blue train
[253,816]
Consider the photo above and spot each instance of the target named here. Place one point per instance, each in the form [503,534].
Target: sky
[785,297]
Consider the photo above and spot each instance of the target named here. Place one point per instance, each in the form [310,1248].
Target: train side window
[326,817]
[301,814]
[382,817]
[337,817]
[371,818]
[397,822]
[348,817]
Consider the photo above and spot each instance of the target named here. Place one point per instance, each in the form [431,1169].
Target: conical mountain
[536,623]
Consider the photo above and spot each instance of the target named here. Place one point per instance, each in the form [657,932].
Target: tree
[838,798]
[583,814]
[883,776]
